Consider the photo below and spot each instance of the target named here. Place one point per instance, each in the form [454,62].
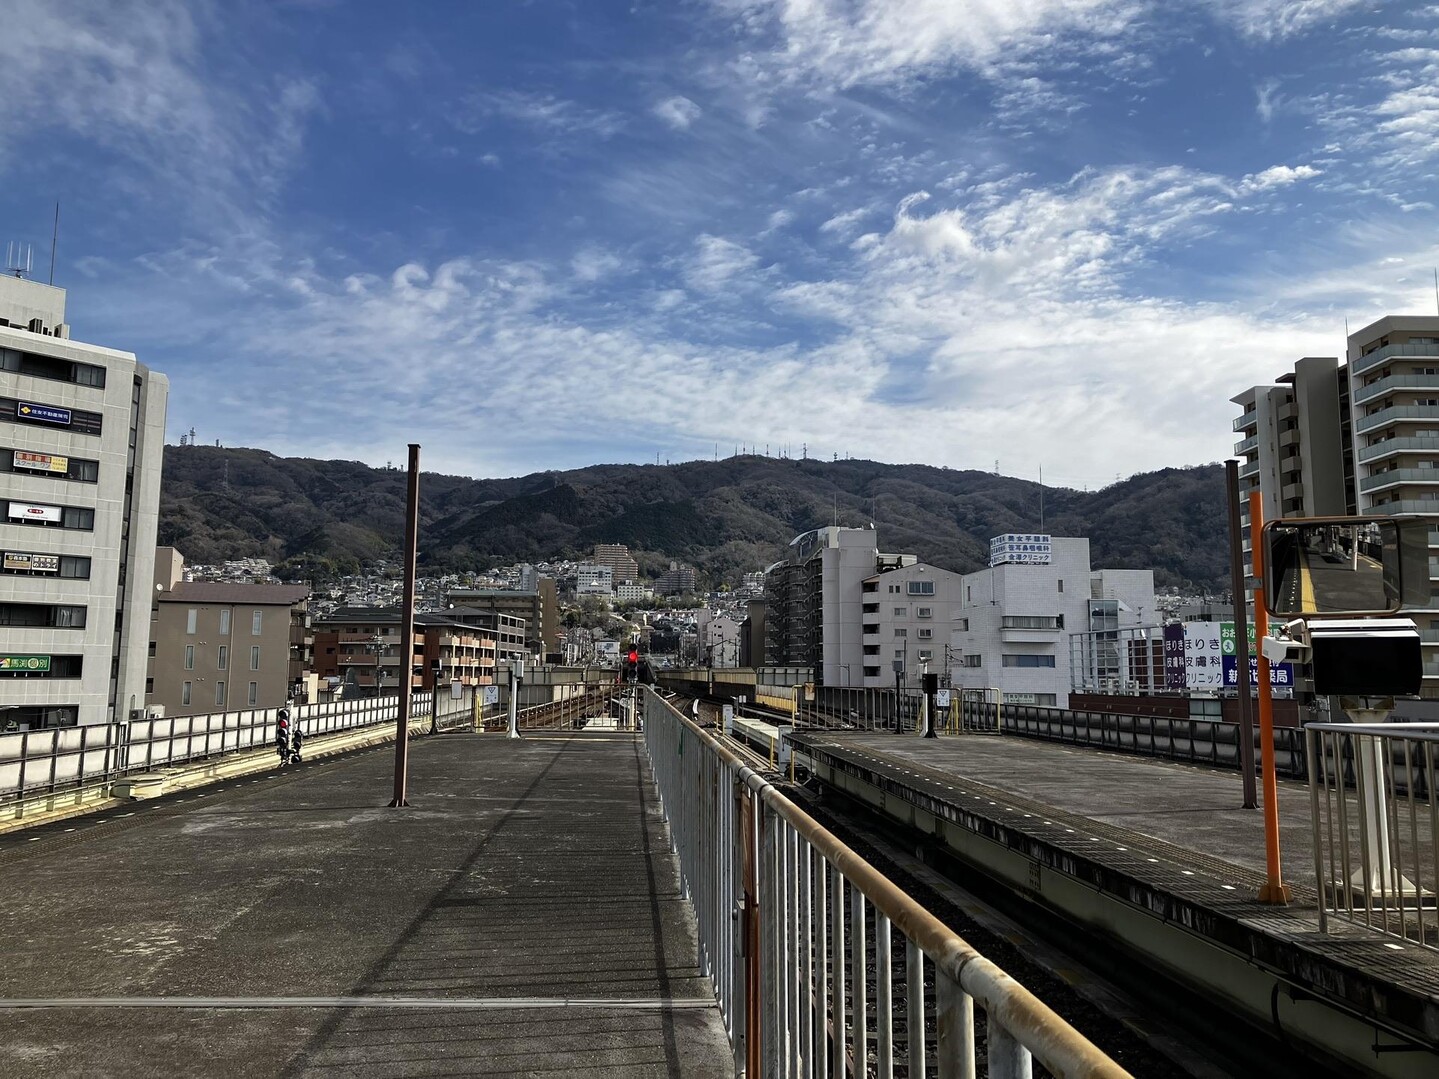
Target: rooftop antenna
[54,239]
[1436,290]
[1041,498]
[18,258]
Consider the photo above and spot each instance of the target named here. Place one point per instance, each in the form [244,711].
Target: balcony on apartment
[1392,447]
[1249,419]
[1400,477]
[1250,443]
[1395,414]
[1414,349]
[1391,383]
[1249,468]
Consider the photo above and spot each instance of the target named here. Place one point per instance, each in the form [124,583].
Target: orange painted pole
[1275,890]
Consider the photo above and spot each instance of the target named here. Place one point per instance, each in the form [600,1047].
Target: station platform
[522,918]
[1158,857]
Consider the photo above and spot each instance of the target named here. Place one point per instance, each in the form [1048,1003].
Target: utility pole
[517,676]
[407,633]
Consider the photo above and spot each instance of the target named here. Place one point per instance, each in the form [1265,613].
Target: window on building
[35,564]
[970,661]
[925,655]
[901,612]
[42,615]
[921,588]
[152,649]
[254,657]
[926,634]
[192,616]
[225,621]
[1061,584]
[255,623]
[924,612]
[968,594]
[189,657]
[1026,659]
[51,367]
[254,694]
[962,624]
[149,686]
[222,661]
[901,633]
[184,692]
[220,694]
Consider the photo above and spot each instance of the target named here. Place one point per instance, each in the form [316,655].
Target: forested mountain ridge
[725,517]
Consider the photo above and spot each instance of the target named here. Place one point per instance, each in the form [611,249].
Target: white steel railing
[1376,825]
[821,965]
[56,758]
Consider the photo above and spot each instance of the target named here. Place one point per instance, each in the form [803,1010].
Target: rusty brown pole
[407,633]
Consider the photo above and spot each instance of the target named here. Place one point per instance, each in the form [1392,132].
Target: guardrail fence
[57,758]
[1376,826]
[821,965]
[1198,741]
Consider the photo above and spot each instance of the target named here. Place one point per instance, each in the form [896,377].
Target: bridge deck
[1167,838]
[526,874]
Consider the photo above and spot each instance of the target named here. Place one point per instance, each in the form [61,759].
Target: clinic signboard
[1023,548]
[1203,652]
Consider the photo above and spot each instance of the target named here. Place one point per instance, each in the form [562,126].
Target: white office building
[593,580]
[1011,630]
[83,447]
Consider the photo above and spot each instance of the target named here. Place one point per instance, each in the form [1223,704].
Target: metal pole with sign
[517,676]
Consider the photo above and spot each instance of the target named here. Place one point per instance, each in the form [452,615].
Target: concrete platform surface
[1191,806]
[530,886]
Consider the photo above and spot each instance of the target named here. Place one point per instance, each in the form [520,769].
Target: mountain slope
[725,517]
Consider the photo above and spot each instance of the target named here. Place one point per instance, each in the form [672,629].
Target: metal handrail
[67,758]
[1375,820]
[811,914]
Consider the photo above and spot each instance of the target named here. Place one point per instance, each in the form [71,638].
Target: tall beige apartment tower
[1357,437]
[80,451]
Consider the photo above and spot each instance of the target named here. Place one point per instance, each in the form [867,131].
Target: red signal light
[634,656]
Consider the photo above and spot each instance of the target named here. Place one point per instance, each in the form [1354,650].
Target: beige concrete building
[82,432]
[216,646]
[538,607]
[617,557]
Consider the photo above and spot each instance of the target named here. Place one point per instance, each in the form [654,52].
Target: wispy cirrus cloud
[543,112]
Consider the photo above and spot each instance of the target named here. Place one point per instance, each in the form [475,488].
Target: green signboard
[24,663]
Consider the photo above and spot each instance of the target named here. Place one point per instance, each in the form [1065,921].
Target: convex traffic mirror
[1345,565]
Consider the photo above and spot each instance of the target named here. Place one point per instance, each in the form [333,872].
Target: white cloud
[679,112]
[853,42]
[1275,19]
[715,262]
[1267,94]
[1276,176]
[593,264]
[844,222]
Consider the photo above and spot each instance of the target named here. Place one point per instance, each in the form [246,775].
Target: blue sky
[1055,234]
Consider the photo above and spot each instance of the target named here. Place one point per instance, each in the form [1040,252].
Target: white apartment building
[719,636]
[908,613]
[1361,437]
[593,580]
[814,600]
[632,592]
[83,446]
[1011,628]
